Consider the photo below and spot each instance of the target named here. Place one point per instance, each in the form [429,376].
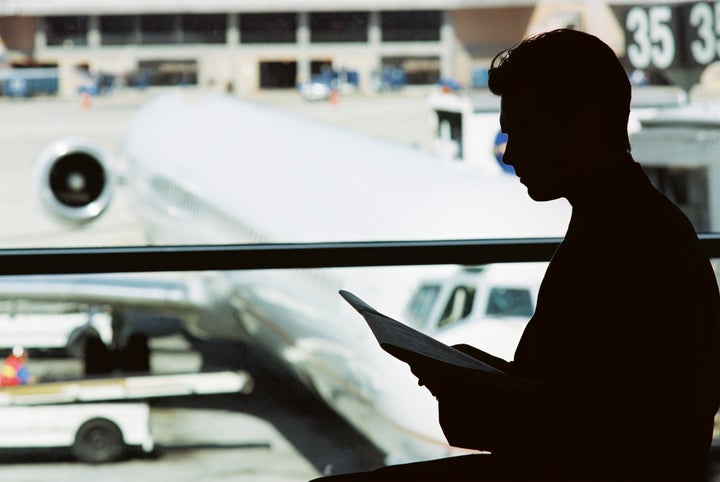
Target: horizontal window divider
[44,261]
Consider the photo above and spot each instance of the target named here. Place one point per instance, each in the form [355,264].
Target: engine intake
[74,180]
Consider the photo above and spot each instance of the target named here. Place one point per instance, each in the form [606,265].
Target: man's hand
[441,383]
[473,414]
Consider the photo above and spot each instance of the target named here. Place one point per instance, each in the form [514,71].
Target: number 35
[653,42]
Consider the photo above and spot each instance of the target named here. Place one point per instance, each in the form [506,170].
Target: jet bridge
[679,150]
[467,123]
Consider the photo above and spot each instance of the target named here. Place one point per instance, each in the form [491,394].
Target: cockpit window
[459,306]
[422,302]
[510,302]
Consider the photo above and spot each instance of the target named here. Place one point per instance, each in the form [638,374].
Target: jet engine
[74,179]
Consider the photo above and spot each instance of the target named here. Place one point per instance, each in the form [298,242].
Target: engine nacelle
[74,180]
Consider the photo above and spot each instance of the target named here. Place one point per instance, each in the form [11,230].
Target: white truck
[50,325]
[99,419]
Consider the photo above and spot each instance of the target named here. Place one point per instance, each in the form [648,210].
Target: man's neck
[602,182]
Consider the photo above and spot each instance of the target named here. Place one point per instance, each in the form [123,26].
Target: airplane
[206,168]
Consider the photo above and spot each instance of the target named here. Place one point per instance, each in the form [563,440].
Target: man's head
[565,106]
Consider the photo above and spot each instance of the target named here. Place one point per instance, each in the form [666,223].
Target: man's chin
[541,196]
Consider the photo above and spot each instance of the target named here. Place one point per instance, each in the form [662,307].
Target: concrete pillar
[93,36]
[40,42]
[303,47]
[714,196]
[232,41]
[447,46]
[232,34]
[374,47]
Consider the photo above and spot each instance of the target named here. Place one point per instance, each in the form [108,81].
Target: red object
[9,371]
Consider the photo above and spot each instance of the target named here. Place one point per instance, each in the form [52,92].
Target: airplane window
[293,123]
[510,302]
[459,306]
[422,303]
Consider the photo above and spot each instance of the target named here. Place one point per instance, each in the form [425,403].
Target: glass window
[411,26]
[208,29]
[422,303]
[159,29]
[338,27]
[510,302]
[67,31]
[459,305]
[257,28]
[119,29]
[187,141]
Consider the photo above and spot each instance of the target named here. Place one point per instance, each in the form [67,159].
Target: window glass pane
[458,306]
[118,29]
[510,302]
[196,126]
[210,29]
[267,28]
[235,371]
[161,192]
[422,303]
[67,31]
[288,330]
[159,29]
[410,26]
[338,27]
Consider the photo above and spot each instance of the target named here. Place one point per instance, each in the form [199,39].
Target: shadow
[161,449]
[314,429]
[35,456]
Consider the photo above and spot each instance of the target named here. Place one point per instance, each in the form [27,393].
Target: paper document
[413,346]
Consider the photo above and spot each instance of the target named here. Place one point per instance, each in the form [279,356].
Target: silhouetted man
[625,337]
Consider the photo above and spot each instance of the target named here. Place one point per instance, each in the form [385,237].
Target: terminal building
[244,45]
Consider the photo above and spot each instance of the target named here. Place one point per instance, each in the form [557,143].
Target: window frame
[286,256]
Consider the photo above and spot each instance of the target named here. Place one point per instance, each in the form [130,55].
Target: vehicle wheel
[98,441]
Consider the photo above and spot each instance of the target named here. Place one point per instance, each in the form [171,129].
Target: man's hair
[565,71]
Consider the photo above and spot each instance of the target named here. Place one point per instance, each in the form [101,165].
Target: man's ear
[593,125]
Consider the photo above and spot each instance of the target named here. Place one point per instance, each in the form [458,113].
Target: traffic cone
[334,96]
[85,100]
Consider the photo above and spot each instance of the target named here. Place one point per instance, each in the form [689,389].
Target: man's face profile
[537,147]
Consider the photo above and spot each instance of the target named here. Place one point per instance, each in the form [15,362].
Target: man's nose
[507,157]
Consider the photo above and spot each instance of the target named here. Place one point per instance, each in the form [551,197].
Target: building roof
[110,7]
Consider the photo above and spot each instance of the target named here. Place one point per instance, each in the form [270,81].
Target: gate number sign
[681,35]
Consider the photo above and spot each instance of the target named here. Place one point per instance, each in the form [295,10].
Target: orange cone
[85,100]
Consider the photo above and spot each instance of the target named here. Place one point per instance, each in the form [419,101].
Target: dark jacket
[626,340]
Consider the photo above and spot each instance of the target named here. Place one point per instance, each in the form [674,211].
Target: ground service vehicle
[100,420]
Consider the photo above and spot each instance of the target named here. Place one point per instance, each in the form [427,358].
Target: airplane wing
[191,300]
